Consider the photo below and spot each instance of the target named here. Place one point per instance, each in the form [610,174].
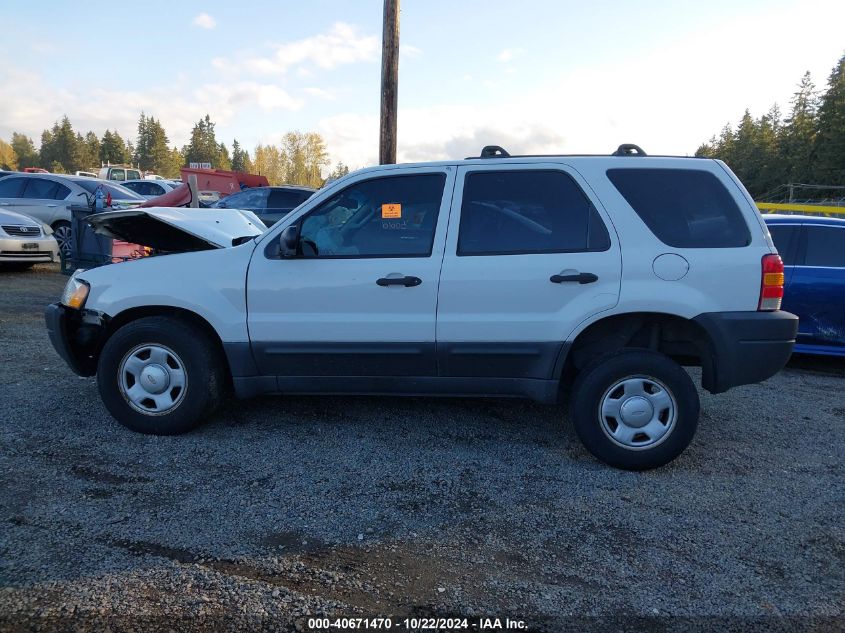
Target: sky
[534,76]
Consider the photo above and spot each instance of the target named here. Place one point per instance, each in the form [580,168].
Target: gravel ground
[285,507]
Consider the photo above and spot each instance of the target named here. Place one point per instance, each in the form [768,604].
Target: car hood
[172,229]
[17,219]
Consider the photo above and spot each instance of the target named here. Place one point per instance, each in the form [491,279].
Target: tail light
[771,285]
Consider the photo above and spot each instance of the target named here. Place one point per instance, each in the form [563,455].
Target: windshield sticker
[391,211]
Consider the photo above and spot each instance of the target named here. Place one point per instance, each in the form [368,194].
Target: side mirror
[288,241]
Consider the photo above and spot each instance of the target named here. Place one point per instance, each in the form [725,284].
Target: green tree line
[807,146]
[299,159]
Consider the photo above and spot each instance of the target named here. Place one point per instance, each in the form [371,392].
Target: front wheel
[634,409]
[160,375]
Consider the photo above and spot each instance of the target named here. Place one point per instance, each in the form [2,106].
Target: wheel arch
[680,338]
[133,314]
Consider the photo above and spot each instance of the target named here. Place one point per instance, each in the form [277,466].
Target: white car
[491,276]
[150,189]
[25,242]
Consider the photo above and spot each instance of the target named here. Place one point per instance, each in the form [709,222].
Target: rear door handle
[581,278]
[407,281]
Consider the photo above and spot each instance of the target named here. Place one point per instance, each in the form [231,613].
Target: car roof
[781,218]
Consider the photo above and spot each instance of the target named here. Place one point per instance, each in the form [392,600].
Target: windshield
[118,192]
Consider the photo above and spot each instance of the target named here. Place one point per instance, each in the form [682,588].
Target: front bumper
[77,336]
[745,347]
[12,250]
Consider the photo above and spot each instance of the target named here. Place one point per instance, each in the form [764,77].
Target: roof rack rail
[494,151]
[629,149]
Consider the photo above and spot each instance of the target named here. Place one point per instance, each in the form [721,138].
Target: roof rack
[629,149]
[496,151]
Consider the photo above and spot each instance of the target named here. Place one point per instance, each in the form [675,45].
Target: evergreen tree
[112,149]
[240,158]
[203,146]
[799,133]
[89,152]
[63,147]
[830,142]
[25,150]
[141,155]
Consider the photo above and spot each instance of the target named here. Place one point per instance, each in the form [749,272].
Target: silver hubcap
[638,412]
[152,378]
[62,235]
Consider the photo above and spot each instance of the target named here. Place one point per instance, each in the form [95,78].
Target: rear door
[817,290]
[360,297]
[528,257]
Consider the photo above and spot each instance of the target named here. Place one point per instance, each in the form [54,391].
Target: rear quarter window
[684,208]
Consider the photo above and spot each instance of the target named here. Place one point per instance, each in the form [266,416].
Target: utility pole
[389,82]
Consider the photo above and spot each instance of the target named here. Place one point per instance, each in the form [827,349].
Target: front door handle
[581,278]
[408,282]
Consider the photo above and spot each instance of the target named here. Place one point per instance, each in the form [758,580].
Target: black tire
[62,232]
[594,383]
[195,351]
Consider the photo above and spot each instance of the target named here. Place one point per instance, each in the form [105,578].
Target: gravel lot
[282,507]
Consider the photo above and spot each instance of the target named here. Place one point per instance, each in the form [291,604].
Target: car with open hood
[530,276]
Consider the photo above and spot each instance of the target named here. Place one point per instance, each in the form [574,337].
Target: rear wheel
[635,409]
[160,375]
[62,233]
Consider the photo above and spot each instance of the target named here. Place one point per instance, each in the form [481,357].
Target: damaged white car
[491,276]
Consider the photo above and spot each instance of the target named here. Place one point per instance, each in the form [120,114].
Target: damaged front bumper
[77,336]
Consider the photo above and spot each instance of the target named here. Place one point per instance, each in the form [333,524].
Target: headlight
[75,294]
[47,229]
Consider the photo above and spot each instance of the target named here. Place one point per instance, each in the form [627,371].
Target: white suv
[492,276]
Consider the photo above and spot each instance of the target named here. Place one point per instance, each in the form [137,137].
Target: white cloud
[320,93]
[508,55]
[341,44]
[406,50]
[204,21]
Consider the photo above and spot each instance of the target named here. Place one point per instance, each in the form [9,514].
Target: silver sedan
[25,242]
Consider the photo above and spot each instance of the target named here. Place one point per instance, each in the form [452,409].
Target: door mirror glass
[288,241]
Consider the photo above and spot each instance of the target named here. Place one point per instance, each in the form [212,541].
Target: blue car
[813,253]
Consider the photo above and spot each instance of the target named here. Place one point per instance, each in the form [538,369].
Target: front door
[530,255]
[360,296]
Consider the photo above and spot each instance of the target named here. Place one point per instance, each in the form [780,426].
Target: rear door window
[785,237]
[11,187]
[825,246]
[61,192]
[40,189]
[117,174]
[684,208]
[280,199]
[525,211]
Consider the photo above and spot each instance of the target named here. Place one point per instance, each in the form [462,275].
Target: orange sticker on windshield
[391,211]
